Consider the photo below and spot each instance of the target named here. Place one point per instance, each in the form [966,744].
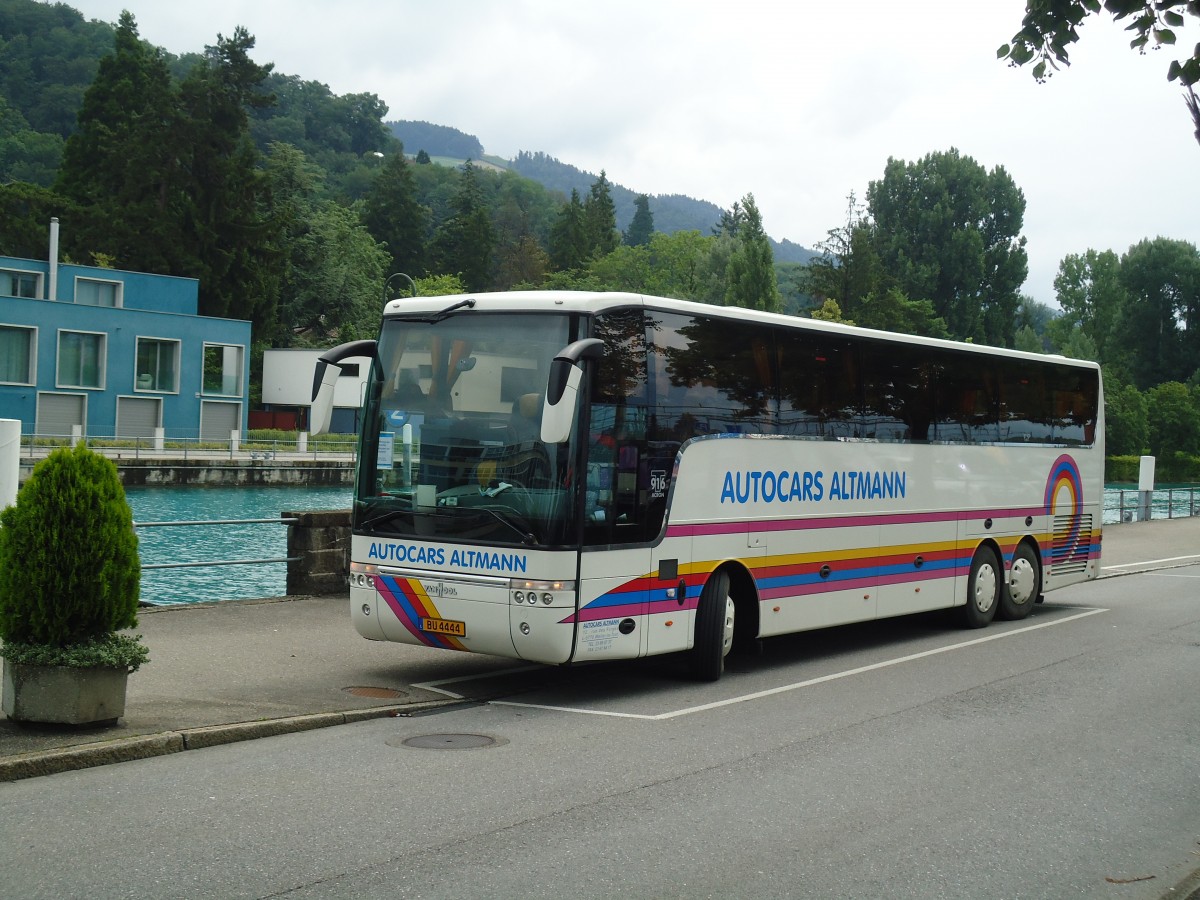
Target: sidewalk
[245,669]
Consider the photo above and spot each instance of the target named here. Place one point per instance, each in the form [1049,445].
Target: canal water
[206,543]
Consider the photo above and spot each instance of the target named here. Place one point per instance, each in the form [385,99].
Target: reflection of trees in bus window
[966,400]
[1024,403]
[898,392]
[819,385]
[620,504]
[1073,408]
[713,375]
[621,373]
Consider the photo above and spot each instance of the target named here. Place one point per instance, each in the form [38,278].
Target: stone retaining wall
[318,549]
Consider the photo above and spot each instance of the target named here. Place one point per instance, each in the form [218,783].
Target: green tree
[829,311]
[641,227]
[227,210]
[568,238]
[333,266]
[848,269]
[600,219]
[1027,339]
[394,215]
[892,311]
[1051,26]
[1160,325]
[680,264]
[463,243]
[1173,416]
[1126,425]
[1089,290]
[750,274]
[125,156]
[948,231]
[25,213]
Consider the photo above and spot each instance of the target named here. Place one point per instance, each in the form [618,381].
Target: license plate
[444,626]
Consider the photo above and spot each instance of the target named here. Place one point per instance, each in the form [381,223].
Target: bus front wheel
[1024,585]
[984,585]
[714,628]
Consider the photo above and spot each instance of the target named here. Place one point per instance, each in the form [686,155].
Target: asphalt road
[1055,757]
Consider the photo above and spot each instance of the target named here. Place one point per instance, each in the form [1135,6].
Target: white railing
[188,448]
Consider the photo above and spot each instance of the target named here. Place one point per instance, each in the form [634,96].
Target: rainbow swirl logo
[1064,497]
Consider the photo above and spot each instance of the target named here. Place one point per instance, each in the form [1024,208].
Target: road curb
[102,753]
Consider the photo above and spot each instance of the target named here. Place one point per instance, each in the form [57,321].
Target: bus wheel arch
[715,623]
[985,585]
[1023,586]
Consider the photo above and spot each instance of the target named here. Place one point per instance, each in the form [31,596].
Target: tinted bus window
[897,391]
[1025,414]
[966,400]
[1073,400]
[820,391]
[711,376]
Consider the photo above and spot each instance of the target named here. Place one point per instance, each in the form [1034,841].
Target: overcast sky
[798,102]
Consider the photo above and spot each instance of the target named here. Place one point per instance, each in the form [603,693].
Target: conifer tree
[394,216]
[568,246]
[463,243]
[641,228]
[123,159]
[750,275]
[600,219]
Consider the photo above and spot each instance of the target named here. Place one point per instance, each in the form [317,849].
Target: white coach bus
[565,477]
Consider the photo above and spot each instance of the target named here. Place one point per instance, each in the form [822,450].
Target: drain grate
[376,693]
[451,742]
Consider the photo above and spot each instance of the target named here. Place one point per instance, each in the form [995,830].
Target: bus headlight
[362,576]
[548,592]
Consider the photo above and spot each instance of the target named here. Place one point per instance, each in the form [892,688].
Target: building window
[17,353]
[222,370]
[80,359]
[97,293]
[20,284]
[157,365]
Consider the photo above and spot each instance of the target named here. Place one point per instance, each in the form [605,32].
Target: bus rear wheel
[984,585]
[1024,585]
[715,620]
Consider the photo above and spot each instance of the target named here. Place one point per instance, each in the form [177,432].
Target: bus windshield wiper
[436,317]
[512,519]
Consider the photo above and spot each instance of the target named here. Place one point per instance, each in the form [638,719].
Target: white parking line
[758,695]
[1152,562]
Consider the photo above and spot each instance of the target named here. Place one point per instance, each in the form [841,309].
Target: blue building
[118,354]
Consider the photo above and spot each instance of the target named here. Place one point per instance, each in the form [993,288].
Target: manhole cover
[375,693]
[451,742]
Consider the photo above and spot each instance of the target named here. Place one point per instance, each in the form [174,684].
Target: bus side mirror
[325,378]
[562,389]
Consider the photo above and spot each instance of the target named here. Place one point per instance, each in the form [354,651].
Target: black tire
[1023,587]
[984,587]
[714,628]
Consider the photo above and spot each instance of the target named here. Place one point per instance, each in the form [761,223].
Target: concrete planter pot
[64,695]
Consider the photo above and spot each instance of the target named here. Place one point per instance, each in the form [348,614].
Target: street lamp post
[387,284]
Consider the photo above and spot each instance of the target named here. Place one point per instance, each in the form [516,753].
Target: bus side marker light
[669,623]
[776,609]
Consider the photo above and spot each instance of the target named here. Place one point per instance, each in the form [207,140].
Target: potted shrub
[69,582]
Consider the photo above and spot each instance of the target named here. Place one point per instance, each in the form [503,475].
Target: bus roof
[592,302]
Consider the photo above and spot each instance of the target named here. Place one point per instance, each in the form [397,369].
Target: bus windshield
[451,445]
